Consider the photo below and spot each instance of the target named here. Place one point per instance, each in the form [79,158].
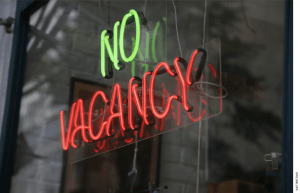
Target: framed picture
[108,172]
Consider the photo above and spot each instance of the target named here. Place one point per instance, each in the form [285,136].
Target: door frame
[287,101]
[16,72]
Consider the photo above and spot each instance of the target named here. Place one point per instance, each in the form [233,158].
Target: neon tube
[116,93]
[65,141]
[77,110]
[183,85]
[95,137]
[113,56]
[142,111]
[130,121]
[144,100]
[142,129]
[151,93]
[73,136]
[122,32]
[102,53]
[137,101]
[190,66]
[83,127]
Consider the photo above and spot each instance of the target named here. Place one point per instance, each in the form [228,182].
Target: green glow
[153,41]
[147,46]
[105,43]
[116,61]
[133,62]
[113,56]
[160,44]
[146,67]
[122,32]
[133,68]
[102,53]
[139,51]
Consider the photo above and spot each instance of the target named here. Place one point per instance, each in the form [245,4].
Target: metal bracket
[7,23]
[274,157]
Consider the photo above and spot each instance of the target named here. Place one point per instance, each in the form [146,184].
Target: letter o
[137,39]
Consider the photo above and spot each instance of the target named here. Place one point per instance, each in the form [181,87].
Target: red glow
[122,133]
[129,140]
[65,141]
[183,85]
[200,117]
[109,120]
[142,129]
[107,126]
[130,122]
[190,66]
[178,104]
[73,136]
[83,126]
[137,100]
[95,137]
[141,110]
[98,147]
[162,120]
[116,92]
[145,96]
[151,91]
[102,146]
[213,70]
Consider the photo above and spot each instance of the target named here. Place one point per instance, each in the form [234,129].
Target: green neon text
[113,54]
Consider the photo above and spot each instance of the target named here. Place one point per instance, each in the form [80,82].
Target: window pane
[63,65]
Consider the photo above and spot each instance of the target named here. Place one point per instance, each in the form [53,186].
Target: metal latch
[7,23]
[274,157]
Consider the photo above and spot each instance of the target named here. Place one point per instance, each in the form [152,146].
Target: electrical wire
[204,22]
[134,170]
[101,12]
[245,18]
[108,13]
[145,5]
[100,9]
[216,85]
[177,28]
[199,129]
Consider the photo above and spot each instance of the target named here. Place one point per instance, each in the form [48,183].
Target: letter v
[65,141]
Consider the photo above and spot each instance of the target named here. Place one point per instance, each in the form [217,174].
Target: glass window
[239,144]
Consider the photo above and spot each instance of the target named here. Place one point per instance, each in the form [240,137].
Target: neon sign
[113,54]
[150,48]
[115,111]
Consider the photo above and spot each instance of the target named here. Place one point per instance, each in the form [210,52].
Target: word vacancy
[115,109]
